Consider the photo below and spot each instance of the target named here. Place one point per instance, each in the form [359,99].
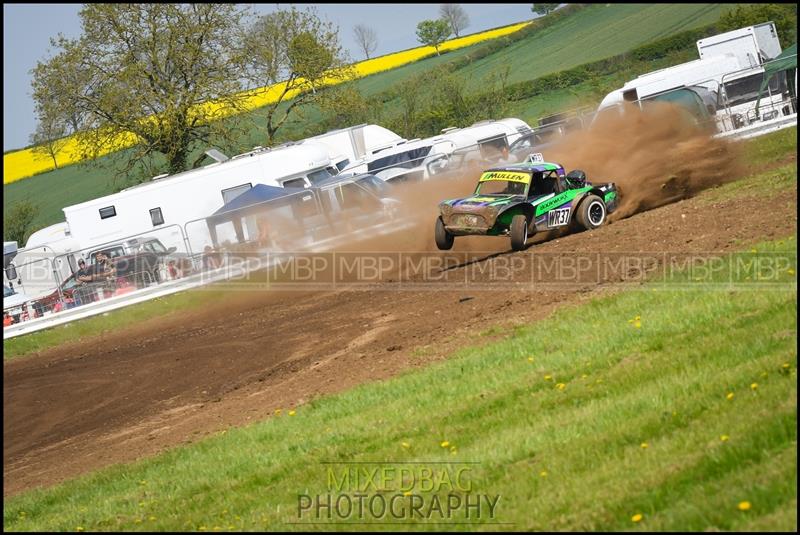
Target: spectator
[211,259]
[174,270]
[24,316]
[7,319]
[85,292]
[104,271]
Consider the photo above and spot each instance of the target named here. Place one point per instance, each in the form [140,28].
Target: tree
[783,15]
[18,220]
[145,70]
[433,32]
[366,38]
[343,106]
[543,9]
[455,15]
[299,49]
[50,136]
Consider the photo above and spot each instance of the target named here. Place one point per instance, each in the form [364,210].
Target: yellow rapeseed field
[24,163]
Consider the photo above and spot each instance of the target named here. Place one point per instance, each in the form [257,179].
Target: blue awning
[258,194]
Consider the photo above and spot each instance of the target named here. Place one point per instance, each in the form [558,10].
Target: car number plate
[558,218]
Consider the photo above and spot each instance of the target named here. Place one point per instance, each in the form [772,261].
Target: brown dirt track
[126,395]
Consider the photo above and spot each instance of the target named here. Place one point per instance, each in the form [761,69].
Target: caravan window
[107,212]
[746,89]
[231,193]
[156,217]
[295,183]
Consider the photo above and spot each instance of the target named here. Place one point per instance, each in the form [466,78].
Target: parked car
[139,259]
[13,301]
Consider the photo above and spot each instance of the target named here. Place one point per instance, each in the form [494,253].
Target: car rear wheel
[444,240]
[519,232]
[592,212]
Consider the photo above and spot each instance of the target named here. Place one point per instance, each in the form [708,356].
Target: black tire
[444,240]
[592,212]
[519,232]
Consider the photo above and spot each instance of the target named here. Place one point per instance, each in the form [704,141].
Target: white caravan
[175,200]
[730,70]
[161,208]
[347,145]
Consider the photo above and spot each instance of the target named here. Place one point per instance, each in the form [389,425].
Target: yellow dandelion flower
[790,271]
[754,250]
[637,517]
[561,386]
[754,386]
[548,377]
[202,528]
[644,445]
[637,318]
[278,411]
[729,396]
[407,493]
[452,448]
[530,359]
[786,366]
[292,413]
[543,473]
[744,506]
[406,445]
[724,438]
[445,444]
[137,520]
[151,518]
[637,324]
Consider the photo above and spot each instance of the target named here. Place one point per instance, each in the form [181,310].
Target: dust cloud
[655,156]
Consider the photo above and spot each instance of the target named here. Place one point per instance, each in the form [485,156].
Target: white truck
[725,80]
[453,149]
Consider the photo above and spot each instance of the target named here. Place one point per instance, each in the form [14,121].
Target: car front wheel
[444,240]
[519,232]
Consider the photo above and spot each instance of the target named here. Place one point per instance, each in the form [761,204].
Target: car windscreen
[406,160]
[375,185]
[503,183]
[154,246]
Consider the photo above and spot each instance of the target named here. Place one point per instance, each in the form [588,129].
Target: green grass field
[756,153]
[596,32]
[654,409]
